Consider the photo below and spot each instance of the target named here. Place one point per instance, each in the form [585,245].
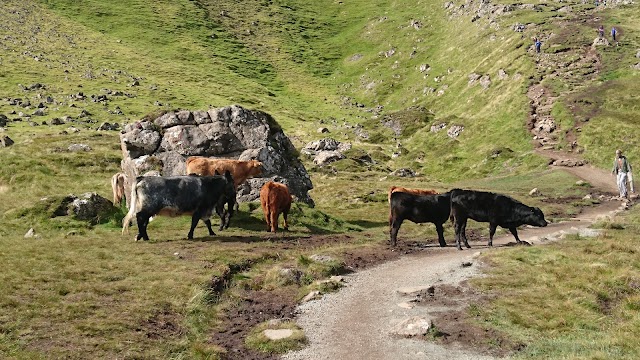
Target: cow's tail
[132,207]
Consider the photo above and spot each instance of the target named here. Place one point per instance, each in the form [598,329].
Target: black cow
[178,195]
[496,209]
[419,209]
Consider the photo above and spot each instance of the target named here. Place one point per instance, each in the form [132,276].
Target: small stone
[31,233]
[312,296]
[413,290]
[278,334]
[413,326]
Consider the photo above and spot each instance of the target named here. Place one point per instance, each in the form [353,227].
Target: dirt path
[358,321]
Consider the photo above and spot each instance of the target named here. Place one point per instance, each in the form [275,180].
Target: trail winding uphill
[361,320]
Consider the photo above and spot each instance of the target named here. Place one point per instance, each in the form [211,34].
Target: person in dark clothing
[614,32]
[538,44]
[601,31]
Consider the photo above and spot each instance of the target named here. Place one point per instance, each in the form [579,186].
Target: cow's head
[536,217]
[255,168]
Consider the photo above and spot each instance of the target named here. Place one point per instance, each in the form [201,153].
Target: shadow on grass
[369,224]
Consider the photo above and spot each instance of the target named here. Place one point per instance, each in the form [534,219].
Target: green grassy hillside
[83,291]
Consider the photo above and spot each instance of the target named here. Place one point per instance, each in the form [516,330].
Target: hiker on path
[601,31]
[537,43]
[613,32]
[621,168]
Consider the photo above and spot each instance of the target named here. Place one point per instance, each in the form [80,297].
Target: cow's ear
[216,172]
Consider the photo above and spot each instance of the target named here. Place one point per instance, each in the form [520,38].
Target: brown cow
[410,191]
[240,170]
[275,199]
[117,185]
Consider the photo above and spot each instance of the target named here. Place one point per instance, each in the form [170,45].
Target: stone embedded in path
[413,290]
[413,326]
[277,334]
[405,305]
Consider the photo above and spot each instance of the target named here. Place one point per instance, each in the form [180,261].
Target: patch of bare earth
[257,306]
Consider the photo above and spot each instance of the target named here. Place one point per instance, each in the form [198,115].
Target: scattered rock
[30,234]
[106,126]
[485,82]
[323,130]
[311,296]
[502,75]
[5,141]
[519,27]
[534,192]
[568,162]
[467,264]
[277,334]
[403,172]
[326,157]
[414,290]
[600,41]
[438,127]
[413,326]
[321,258]
[79,147]
[454,131]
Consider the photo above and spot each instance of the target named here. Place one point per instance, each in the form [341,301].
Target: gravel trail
[356,322]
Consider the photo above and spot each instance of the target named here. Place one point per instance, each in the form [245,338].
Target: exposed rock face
[164,143]
[5,141]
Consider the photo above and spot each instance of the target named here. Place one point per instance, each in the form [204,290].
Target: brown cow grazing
[410,191]
[275,199]
[117,185]
[240,170]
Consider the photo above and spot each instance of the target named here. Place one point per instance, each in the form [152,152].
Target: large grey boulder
[165,142]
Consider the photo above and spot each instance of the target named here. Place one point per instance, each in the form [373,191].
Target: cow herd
[199,193]
[210,184]
[459,206]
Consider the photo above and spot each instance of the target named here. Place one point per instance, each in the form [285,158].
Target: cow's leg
[285,214]
[207,222]
[194,222]
[464,234]
[394,227]
[459,231]
[143,220]
[274,221]
[492,231]
[440,231]
[222,213]
[267,217]
[514,231]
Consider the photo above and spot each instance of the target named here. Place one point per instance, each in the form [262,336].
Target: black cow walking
[419,209]
[496,209]
[178,195]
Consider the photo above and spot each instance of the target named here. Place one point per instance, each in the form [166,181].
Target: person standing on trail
[621,168]
[601,31]
[613,32]
[537,43]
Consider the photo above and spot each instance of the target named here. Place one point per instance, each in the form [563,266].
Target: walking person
[601,31]
[537,43]
[621,168]
[613,33]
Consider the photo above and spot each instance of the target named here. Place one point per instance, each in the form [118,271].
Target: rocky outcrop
[163,143]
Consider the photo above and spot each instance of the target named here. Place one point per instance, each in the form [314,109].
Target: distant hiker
[621,168]
[601,31]
[613,32]
[537,43]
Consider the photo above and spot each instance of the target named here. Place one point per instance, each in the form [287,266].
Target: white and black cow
[419,209]
[496,209]
[178,195]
